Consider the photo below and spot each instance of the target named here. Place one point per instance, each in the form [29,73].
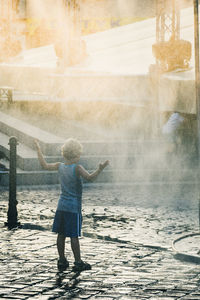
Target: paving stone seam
[107,238]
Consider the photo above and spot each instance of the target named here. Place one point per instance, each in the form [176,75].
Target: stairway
[132,161]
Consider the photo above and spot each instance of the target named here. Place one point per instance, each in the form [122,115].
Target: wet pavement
[127,237]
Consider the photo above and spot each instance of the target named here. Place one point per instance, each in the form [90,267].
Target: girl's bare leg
[61,246]
[76,248]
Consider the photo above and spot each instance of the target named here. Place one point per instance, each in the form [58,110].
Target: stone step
[122,147]
[27,159]
[107,176]
[130,160]
[145,162]
[26,133]
[51,144]
[31,178]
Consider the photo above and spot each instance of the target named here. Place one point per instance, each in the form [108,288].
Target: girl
[68,217]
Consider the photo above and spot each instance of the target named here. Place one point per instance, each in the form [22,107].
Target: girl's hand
[103,165]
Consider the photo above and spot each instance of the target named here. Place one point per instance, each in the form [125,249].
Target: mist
[111,109]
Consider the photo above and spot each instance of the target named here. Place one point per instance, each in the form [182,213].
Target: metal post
[12,208]
[197,76]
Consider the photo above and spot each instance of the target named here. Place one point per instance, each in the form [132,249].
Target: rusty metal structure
[73,12]
[76,47]
[167,20]
[170,51]
[67,39]
[197,84]
[10,45]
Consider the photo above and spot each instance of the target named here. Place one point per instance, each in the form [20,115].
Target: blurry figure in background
[68,217]
[170,132]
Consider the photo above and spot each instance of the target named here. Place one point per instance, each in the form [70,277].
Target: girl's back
[71,188]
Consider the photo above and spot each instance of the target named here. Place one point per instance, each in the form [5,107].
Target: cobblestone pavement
[127,235]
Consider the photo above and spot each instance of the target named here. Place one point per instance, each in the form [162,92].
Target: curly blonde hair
[71,149]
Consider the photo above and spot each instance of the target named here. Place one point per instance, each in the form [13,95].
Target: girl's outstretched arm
[91,176]
[43,163]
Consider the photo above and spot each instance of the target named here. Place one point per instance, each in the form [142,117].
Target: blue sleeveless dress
[68,217]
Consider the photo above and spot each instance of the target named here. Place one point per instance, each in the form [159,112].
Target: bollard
[12,207]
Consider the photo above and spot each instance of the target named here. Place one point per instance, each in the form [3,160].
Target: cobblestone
[126,238]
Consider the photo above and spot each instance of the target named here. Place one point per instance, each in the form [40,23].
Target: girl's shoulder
[72,168]
[78,169]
